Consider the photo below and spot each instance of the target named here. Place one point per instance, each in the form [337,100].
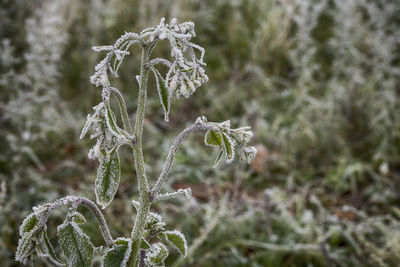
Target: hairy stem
[172,152]
[138,229]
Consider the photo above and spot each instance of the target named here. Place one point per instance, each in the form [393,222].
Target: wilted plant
[147,244]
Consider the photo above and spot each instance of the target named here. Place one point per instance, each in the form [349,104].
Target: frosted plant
[150,241]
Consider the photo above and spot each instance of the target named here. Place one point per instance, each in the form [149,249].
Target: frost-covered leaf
[213,138]
[156,255]
[144,244]
[104,128]
[219,157]
[154,223]
[85,128]
[247,153]
[107,180]
[26,247]
[77,218]
[75,244]
[45,249]
[177,240]
[28,224]
[229,140]
[119,254]
[111,121]
[228,147]
[31,235]
[163,93]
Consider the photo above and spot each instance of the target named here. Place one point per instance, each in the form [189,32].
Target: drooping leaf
[228,147]
[163,93]
[119,254]
[111,121]
[85,128]
[26,247]
[219,157]
[75,244]
[213,138]
[31,235]
[107,180]
[177,240]
[45,249]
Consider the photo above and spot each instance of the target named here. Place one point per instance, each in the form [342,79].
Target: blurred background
[318,81]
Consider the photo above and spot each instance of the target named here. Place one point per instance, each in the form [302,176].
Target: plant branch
[197,126]
[156,61]
[79,201]
[180,193]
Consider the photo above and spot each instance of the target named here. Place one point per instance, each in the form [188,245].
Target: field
[317,80]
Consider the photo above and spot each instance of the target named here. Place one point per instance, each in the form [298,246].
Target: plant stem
[144,208]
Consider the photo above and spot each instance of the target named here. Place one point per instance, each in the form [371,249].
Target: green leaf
[213,138]
[178,240]
[163,93]
[111,121]
[75,244]
[219,157]
[28,224]
[144,244]
[77,218]
[157,254]
[107,180]
[31,235]
[228,147]
[26,247]
[45,249]
[119,254]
